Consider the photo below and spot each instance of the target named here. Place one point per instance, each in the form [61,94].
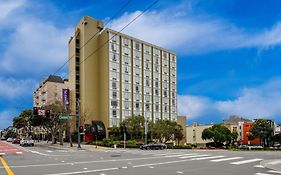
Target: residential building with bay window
[115,76]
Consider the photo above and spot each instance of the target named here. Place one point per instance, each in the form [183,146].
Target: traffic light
[81,129]
[35,110]
[47,113]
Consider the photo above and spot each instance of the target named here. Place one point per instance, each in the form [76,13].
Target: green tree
[261,129]
[234,136]
[276,138]
[166,130]
[218,133]
[114,132]
[135,126]
[53,123]
[24,120]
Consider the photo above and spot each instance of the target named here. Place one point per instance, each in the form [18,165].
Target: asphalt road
[45,160]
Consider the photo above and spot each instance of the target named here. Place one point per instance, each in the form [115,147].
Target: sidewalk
[274,164]
[66,146]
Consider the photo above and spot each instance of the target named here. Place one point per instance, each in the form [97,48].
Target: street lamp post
[78,128]
[145,130]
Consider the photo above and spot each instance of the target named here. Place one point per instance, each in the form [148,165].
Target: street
[44,159]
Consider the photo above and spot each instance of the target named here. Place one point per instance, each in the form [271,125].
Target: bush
[182,147]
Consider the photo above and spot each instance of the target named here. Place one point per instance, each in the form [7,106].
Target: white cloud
[193,106]
[189,34]
[33,45]
[36,47]
[8,6]
[15,88]
[257,102]
[263,101]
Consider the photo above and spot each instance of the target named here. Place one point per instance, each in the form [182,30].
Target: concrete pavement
[43,159]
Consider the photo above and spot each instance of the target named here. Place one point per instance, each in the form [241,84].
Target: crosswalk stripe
[206,158]
[245,161]
[259,166]
[178,155]
[272,171]
[263,174]
[226,159]
[202,155]
[18,152]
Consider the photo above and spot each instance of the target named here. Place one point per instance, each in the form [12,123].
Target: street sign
[64,117]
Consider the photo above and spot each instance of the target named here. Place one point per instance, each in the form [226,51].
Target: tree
[261,129]
[218,133]
[53,122]
[135,126]
[276,138]
[234,136]
[166,130]
[24,120]
[114,132]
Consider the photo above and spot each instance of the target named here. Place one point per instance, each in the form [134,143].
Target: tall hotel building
[115,76]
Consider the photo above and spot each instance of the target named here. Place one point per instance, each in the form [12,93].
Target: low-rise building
[244,133]
[194,134]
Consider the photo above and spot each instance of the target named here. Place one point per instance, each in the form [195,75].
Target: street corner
[274,164]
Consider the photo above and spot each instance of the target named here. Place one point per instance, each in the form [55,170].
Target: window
[156,92]
[126,77]
[114,103]
[165,108]
[114,85]
[113,47]
[147,106]
[147,66]
[147,82]
[137,105]
[157,107]
[114,94]
[114,66]
[114,113]
[137,46]
[165,93]
[156,84]
[137,89]
[126,86]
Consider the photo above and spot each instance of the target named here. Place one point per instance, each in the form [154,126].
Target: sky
[228,52]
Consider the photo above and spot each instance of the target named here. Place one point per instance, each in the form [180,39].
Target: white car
[26,142]
[9,139]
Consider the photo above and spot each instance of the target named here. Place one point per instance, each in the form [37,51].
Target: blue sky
[228,51]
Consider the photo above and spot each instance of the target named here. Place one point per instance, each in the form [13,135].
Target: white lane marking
[179,172]
[62,161]
[84,162]
[2,154]
[48,151]
[272,171]
[85,168]
[263,174]
[124,167]
[42,154]
[226,159]
[82,172]
[161,163]
[245,161]
[179,155]
[168,154]
[151,167]
[274,162]
[18,152]
[206,158]
[259,166]
[63,151]
[202,155]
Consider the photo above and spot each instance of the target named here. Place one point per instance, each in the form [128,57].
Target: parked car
[153,146]
[26,142]
[9,139]
[16,141]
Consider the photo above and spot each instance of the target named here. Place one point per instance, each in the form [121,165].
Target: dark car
[16,141]
[153,146]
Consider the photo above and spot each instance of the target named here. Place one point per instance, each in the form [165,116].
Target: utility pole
[124,130]
[78,128]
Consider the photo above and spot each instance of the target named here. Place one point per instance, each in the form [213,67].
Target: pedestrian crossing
[196,156]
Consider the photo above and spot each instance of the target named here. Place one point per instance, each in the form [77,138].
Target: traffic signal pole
[78,128]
